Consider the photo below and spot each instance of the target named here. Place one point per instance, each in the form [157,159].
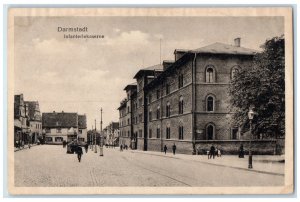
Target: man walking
[86,147]
[174,149]
[79,152]
[165,149]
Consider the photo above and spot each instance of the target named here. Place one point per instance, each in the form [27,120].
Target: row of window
[209,133]
[168,133]
[210,77]
[37,126]
[210,107]
[210,73]
[58,130]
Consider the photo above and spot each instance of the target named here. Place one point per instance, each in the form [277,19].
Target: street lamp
[250,116]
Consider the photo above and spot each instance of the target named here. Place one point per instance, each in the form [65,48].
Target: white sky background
[78,75]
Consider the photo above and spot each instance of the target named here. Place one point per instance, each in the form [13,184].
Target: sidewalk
[268,164]
[25,147]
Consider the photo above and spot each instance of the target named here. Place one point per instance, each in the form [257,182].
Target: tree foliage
[263,86]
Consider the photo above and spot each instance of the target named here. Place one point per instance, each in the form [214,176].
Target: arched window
[158,113]
[210,74]
[180,105]
[210,103]
[210,132]
[168,110]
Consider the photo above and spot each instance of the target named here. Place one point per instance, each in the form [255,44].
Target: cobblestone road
[49,165]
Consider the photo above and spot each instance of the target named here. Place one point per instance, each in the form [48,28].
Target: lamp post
[92,138]
[250,116]
[101,136]
[95,137]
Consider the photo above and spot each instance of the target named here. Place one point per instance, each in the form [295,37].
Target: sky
[85,75]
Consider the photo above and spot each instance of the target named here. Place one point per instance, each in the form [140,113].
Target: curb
[220,165]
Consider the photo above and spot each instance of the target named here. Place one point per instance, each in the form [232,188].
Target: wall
[259,147]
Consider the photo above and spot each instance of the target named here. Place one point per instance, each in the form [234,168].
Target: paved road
[49,165]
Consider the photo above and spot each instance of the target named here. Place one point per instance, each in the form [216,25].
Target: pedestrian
[28,145]
[174,149]
[212,151]
[219,153]
[79,152]
[165,149]
[86,147]
[121,147]
[241,152]
[207,152]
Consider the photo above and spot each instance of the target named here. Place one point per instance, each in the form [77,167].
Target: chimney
[237,42]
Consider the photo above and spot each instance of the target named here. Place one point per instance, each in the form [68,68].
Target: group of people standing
[213,152]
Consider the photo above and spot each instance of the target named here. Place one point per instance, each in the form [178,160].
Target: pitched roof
[81,121]
[150,69]
[131,86]
[154,67]
[220,48]
[61,120]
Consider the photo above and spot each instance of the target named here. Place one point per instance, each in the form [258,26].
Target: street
[49,165]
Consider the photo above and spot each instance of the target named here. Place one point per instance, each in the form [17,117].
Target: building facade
[63,126]
[82,128]
[187,102]
[111,134]
[21,123]
[35,121]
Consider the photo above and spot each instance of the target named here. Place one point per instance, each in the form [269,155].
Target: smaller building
[62,126]
[111,132]
[82,128]
[35,121]
[21,123]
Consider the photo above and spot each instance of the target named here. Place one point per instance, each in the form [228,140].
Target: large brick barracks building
[186,102]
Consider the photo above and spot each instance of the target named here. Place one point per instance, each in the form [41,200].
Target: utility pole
[101,137]
[159,51]
[92,138]
[95,137]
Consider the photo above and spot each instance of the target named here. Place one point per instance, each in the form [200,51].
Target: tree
[263,86]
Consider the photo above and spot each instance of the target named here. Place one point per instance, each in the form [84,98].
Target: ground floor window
[158,133]
[180,130]
[210,132]
[234,133]
[81,139]
[58,139]
[168,133]
[49,139]
[150,133]
[140,133]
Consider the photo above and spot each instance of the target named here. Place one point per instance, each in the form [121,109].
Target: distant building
[63,126]
[82,128]
[186,102]
[111,133]
[21,123]
[35,121]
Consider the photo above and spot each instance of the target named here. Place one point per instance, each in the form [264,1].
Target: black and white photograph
[150,101]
